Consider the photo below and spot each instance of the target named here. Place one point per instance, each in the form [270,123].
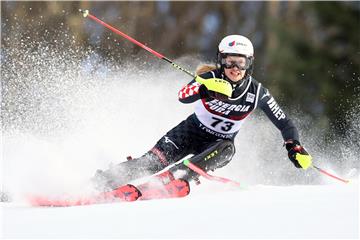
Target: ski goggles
[242,64]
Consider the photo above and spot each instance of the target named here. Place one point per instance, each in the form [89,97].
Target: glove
[298,155]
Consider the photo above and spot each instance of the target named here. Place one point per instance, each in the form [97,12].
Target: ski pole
[87,14]
[329,174]
[201,172]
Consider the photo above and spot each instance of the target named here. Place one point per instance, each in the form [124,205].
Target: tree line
[307,53]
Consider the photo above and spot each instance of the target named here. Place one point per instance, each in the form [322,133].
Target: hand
[298,155]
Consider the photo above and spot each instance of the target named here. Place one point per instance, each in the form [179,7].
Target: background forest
[307,53]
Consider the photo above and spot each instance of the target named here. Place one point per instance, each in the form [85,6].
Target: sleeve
[277,116]
[190,92]
[193,91]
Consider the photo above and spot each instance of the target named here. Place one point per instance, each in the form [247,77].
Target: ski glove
[298,155]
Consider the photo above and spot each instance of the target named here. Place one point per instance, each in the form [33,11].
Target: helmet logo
[233,43]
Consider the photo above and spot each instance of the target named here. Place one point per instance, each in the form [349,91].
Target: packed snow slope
[66,112]
[326,211]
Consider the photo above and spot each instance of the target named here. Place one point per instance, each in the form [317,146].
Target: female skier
[208,134]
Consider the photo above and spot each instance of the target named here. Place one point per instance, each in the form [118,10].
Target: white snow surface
[325,211]
[61,122]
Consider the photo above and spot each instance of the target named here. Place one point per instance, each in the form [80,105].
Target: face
[234,73]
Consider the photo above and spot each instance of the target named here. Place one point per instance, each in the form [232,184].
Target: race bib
[216,123]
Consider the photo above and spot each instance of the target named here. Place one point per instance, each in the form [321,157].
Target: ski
[126,193]
[154,189]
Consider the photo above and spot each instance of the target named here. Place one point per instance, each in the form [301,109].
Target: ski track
[302,211]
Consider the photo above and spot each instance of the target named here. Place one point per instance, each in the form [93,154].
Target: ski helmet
[236,45]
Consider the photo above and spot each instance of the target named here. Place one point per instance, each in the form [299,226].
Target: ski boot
[125,172]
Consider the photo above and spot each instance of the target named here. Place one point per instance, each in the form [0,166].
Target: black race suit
[213,120]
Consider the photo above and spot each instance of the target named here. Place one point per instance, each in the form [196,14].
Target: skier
[208,134]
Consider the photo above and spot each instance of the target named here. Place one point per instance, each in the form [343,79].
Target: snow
[321,211]
[61,122]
